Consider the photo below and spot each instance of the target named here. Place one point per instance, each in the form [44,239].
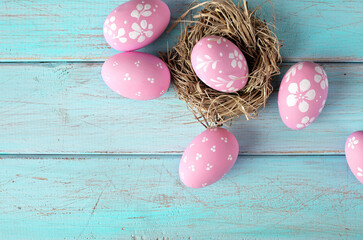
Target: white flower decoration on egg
[300,94]
[120,35]
[321,77]
[306,121]
[352,141]
[142,31]
[141,10]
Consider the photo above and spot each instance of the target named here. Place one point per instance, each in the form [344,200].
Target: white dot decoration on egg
[125,75]
[208,157]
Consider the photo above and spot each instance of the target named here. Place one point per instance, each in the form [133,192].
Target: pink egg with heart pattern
[208,157]
[302,95]
[354,154]
[135,24]
[220,64]
[136,75]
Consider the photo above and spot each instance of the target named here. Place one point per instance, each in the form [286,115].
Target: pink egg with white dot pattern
[135,24]
[208,157]
[302,95]
[220,64]
[136,75]
[354,154]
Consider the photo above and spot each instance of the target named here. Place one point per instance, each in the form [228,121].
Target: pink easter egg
[220,64]
[303,93]
[135,24]
[208,157]
[354,154]
[136,75]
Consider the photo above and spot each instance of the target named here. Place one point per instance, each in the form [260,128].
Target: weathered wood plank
[55,30]
[67,108]
[276,197]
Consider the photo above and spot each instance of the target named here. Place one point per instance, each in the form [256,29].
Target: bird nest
[254,37]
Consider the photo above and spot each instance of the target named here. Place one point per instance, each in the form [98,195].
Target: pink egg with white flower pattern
[302,95]
[136,75]
[354,154]
[208,157]
[220,64]
[135,24]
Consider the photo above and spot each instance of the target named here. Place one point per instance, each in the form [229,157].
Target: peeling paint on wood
[95,197]
[299,186]
[69,109]
[56,30]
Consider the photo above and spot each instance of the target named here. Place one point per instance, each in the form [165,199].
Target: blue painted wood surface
[57,30]
[53,103]
[140,197]
[67,108]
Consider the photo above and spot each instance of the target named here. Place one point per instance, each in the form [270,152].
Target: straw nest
[254,37]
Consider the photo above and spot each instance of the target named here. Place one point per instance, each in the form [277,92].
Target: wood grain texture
[142,198]
[67,108]
[56,30]
[121,179]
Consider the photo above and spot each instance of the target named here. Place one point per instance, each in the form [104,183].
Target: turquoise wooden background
[80,162]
